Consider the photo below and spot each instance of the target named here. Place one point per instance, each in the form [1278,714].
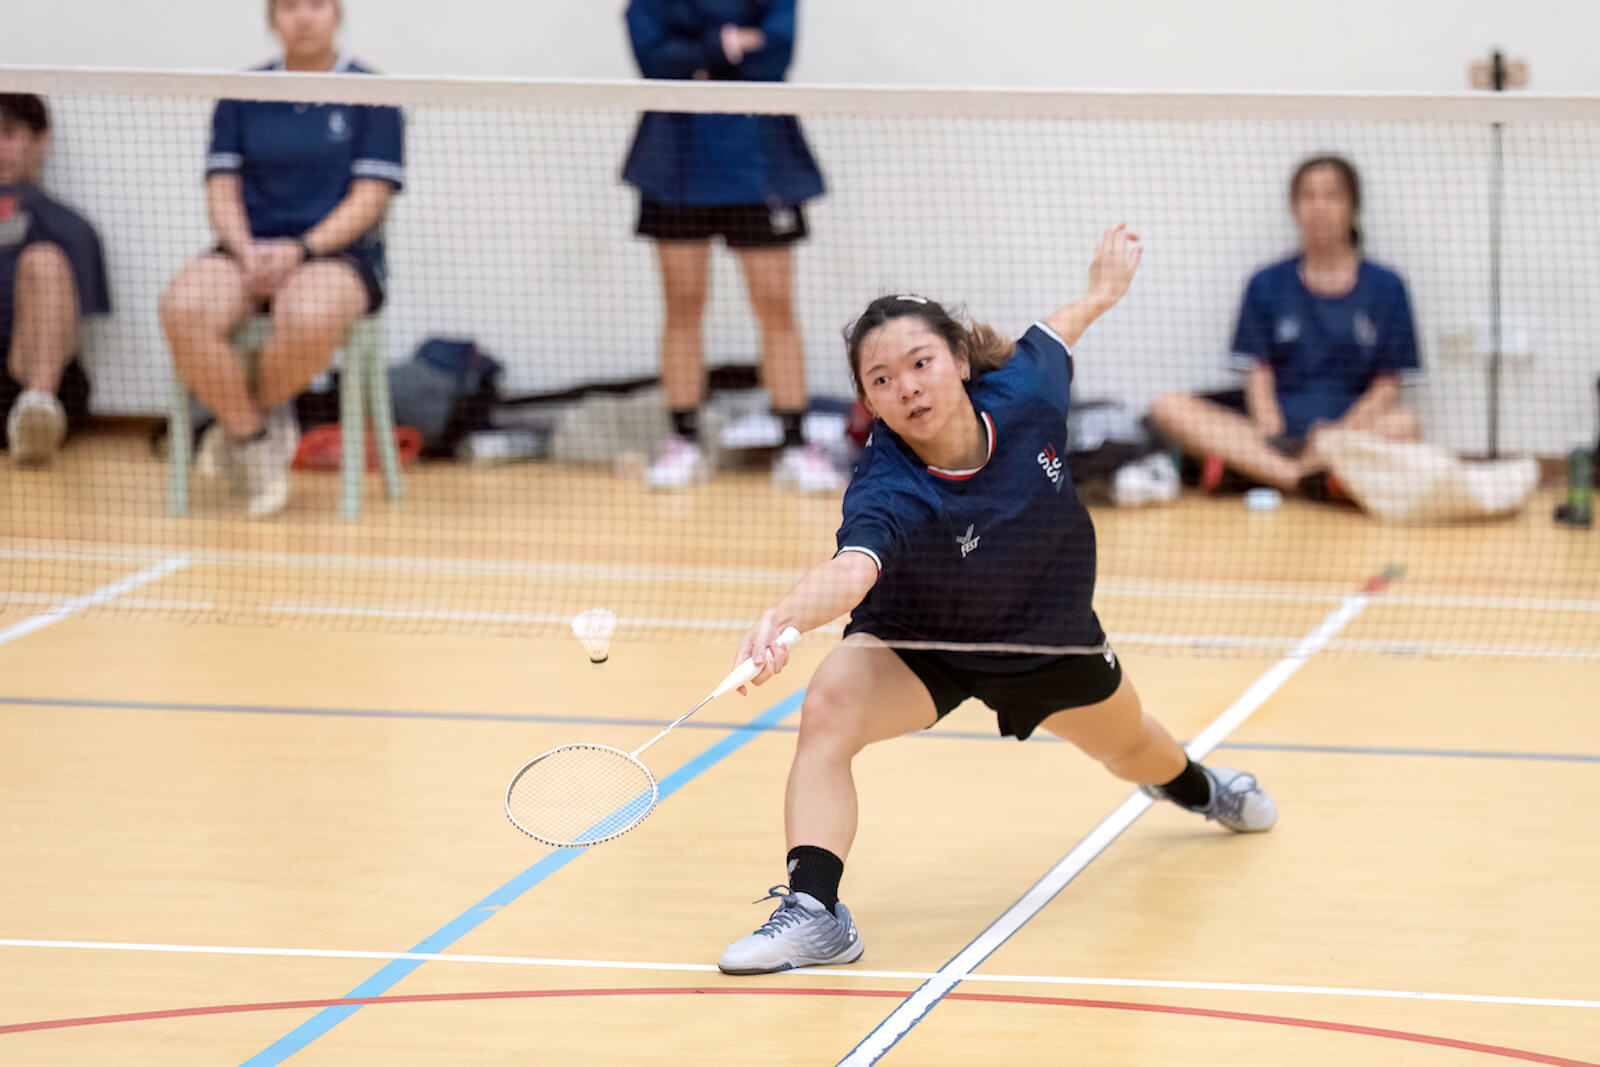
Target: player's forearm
[826,592]
[1261,400]
[1381,397]
[1070,322]
[357,213]
[225,211]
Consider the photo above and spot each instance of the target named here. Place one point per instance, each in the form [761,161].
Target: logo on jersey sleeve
[1050,463]
[968,541]
[1287,330]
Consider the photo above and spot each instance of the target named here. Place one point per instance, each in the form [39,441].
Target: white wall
[1402,45]
[515,229]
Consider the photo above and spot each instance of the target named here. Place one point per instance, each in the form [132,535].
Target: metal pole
[1497,182]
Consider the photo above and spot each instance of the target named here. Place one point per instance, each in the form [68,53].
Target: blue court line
[392,973]
[753,726]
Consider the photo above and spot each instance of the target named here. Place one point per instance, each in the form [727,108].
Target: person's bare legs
[1208,429]
[199,310]
[44,335]
[44,331]
[1136,748]
[684,269]
[1117,732]
[769,278]
[311,316]
[863,692]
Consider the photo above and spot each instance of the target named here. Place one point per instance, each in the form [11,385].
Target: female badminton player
[968,565]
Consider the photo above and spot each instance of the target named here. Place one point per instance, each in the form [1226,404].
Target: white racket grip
[748,669]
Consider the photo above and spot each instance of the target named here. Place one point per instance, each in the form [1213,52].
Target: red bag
[322,448]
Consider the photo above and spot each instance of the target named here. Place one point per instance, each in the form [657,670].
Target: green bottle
[1579,508]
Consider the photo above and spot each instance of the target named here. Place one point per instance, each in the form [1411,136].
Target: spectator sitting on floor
[51,273]
[1325,336]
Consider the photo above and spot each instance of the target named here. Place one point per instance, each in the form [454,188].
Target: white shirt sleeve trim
[865,551]
[1056,337]
[224,161]
[378,168]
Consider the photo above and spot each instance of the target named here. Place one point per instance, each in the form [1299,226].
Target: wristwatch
[306,255]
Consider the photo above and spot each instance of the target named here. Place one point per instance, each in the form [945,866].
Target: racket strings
[580,795]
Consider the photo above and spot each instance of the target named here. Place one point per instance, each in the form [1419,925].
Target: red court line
[798,991]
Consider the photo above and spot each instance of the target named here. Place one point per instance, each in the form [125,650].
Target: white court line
[809,972]
[910,1011]
[622,572]
[152,603]
[72,605]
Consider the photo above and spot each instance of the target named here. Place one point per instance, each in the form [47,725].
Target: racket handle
[748,669]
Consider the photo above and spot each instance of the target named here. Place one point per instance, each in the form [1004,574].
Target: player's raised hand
[1115,261]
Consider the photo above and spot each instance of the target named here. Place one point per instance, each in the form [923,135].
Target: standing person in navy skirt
[744,178]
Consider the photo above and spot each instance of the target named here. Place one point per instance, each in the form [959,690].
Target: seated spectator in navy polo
[52,273]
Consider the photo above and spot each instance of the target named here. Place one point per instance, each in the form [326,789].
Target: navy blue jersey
[1324,351]
[717,160]
[1004,554]
[296,161]
[28,216]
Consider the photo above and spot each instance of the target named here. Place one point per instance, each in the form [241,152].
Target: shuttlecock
[595,628]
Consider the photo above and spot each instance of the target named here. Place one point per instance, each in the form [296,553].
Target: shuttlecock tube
[595,628]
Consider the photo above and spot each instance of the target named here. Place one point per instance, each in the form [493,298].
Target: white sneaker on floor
[805,469]
[680,465]
[266,460]
[1237,801]
[35,428]
[215,458]
[800,933]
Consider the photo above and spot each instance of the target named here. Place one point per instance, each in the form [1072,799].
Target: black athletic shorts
[365,265]
[1234,400]
[740,225]
[1024,690]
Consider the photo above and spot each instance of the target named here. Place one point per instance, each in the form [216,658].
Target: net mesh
[515,231]
[580,795]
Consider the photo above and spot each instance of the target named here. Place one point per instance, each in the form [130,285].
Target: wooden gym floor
[251,781]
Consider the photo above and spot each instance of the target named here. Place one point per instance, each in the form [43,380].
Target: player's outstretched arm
[827,591]
[1109,277]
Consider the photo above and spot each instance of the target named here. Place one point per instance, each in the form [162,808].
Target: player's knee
[1406,426]
[774,310]
[685,306]
[829,718]
[309,324]
[1166,409]
[186,310]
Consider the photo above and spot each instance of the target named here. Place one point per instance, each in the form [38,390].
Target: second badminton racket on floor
[583,794]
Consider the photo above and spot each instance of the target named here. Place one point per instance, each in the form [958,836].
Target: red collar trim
[961,476]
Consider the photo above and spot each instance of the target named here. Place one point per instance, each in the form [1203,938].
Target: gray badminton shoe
[800,933]
[1237,801]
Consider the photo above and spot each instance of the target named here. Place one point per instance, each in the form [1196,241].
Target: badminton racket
[583,794]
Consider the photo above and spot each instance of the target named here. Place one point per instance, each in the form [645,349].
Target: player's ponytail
[987,348]
[984,347]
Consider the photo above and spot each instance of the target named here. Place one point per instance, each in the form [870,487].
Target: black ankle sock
[792,423]
[686,423]
[1191,789]
[816,871]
